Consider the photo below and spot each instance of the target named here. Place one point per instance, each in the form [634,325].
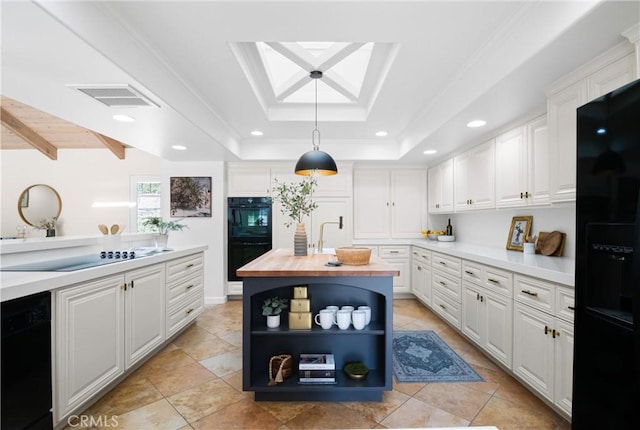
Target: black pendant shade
[316,162]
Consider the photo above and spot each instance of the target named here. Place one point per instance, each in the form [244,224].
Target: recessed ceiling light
[179,147]
[476,123]
[381,133]
[256,133]
[123,118]
[429,152]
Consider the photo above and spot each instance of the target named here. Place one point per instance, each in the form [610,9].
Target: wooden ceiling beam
[29,135]
[113,145]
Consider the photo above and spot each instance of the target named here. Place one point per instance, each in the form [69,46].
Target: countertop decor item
[551,244]
[272,308]
[520,229]
[445,238]
[353,255]
[162,228]
[356,370]
[280,367]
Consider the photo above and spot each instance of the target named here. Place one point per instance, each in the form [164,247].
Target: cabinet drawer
[421,255]
[534,292]
[184,266]
[446,308]
[393,251]
[184,314]
[565,302]
[447,285]
[449,265]
[178,291]
[497,280]
[472,272]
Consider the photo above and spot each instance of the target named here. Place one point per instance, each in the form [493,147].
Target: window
[145,191]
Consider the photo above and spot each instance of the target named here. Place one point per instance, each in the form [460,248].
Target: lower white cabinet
[543,345]
[398,257]
[185,292]
[421,274]
[102,328]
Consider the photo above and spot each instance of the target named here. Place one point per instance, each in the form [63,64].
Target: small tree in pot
[272,308]
[162,228]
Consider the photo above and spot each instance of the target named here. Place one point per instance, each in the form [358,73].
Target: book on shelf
[317,380]
[316,362]
[317,373]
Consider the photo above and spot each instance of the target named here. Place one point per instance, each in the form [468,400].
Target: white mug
[334,309]
[529,248]
[347,308]
[359,319]
[367,311]
[325,319]
[343,319]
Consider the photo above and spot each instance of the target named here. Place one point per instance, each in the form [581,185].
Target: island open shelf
[371,286]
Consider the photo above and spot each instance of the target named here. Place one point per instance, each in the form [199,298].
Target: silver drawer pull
[443,283]
[468,272]
[189,311]
[442,262]
[443,307]
[190,286]
[493,280]
[394,252]
[571,308]
[189,266]
[424,256]
[530,293]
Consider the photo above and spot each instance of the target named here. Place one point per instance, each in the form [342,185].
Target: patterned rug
[421,356]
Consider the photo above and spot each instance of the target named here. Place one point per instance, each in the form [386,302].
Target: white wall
[491,227]
[205,230]
[81,176]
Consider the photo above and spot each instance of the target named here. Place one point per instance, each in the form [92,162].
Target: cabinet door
[245,181]
[471,312]
[371,204]
[434,187]
[461,191]
[533,357]
[561,113]
[402,282]
[89,328]
[421,282]
[498,327]
[446,180]
[482,180]
[408,202]
[613,76]
[511,168]
[563,380]
[144,312]
[538,161]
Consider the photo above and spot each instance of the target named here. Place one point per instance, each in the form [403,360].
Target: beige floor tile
[415,413]
[224,364]
[164,361]
[244,414]
[454,398]
[234,338]
[159,415]
[180,379]
[378,411]
[331,416]
[476,358]
[408,388]
[125,397]
[204,399]
[510,416]
[207,348]
[510,389]
[286,411]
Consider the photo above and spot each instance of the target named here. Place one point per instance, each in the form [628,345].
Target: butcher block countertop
[282,262]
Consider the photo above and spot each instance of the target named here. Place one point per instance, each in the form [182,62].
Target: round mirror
[38,203]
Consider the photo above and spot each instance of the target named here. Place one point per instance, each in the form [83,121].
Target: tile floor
[196,383]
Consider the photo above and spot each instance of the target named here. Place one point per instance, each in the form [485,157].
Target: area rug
[421,356]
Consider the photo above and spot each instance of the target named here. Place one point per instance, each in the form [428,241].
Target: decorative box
[300,305]
[300,292]
[299,320]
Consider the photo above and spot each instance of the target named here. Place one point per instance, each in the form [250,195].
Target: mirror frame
[29,188]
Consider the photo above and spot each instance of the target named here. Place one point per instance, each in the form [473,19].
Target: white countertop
[560,270]
[19,284]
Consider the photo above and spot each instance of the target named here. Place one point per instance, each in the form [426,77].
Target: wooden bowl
[353,255]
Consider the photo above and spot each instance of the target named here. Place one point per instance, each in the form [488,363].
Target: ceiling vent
[117,96]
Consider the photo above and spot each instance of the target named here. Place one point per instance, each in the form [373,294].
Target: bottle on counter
[449,228]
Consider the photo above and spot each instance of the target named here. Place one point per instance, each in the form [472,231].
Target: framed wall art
[520,229]
[190,196]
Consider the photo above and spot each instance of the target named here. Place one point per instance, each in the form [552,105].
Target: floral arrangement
[47,223]
[274,306]
[295,198]
[155,223]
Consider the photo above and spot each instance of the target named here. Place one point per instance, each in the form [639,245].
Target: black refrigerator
[606,383]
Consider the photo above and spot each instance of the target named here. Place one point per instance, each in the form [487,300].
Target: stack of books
[317,369]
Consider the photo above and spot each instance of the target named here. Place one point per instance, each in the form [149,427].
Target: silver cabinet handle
[443,283]
[534,294]
[189,266]
[189,311]
[189,286]
[394,252]
[442,262]
[443,307]
[468,272]
[493,280]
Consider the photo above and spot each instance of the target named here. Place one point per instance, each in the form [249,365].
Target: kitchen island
[276,273]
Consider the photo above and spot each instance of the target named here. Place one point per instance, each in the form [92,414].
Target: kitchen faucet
[321,242]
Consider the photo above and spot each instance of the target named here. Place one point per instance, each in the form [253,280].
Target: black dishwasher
[26,363]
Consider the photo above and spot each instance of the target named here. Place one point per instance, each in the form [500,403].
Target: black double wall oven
[249,231]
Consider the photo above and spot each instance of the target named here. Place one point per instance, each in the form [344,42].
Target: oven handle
[252,243]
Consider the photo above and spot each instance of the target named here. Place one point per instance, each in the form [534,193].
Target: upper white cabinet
[604,74]
[522,165]
[474,178]
[248,180]
[440,184]
[389,203]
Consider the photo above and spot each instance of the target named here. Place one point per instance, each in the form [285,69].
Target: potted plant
[162,228]
[49,224]
[272,308]
[295,202]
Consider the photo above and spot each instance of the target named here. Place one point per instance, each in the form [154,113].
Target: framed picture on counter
[519,231]
[190,196]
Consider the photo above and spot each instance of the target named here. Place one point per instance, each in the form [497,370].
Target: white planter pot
[273,321]
[161,241]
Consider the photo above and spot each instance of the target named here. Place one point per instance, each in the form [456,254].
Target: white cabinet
[604,74]
[421,274]
[102,328]
[248,180]
[487,309]
[474,178]
[543,339]
[446,287]
[185,292]
[398,257]
[440,185]
[522,165]
[389,203]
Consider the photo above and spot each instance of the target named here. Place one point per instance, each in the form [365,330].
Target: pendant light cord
[316,146]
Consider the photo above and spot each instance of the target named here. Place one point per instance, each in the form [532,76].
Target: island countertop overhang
[282,263]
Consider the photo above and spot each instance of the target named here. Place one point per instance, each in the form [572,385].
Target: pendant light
[316,162]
